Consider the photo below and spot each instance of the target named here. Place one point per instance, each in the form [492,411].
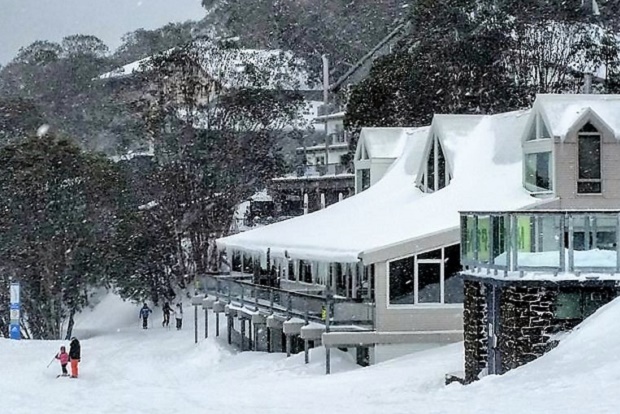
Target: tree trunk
[70,325]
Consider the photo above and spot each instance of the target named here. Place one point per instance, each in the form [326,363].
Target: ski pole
[48,365]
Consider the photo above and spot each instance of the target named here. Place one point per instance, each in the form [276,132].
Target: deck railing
[542,241]
[239,291]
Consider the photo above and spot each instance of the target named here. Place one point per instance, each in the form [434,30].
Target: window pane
[544,131]
[430,165]
[429,288]
[538,171]
[589,187]
[441,167]
[363,177]
[433,254]
[531,135]
[453,286]
[401,281]
[589,157]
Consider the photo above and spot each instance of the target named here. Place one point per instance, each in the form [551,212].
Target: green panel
[469,240]
[524,234]
[484,229]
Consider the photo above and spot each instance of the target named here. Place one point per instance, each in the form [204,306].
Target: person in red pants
[75,353]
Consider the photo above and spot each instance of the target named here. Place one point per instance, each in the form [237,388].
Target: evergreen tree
[59,213]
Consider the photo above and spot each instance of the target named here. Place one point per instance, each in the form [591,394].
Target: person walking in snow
[167,310]
[75,355]
[178,314]
[63,357]
[144,314]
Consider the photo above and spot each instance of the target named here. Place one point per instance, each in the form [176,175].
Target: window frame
[438,181]
[536,144]
[583,134]
[416,262]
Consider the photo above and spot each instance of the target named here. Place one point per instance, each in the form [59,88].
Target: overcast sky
[25,21]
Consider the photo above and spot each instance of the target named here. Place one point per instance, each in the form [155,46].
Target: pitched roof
[394,211]
[561,112]
[231,66]
[384,142]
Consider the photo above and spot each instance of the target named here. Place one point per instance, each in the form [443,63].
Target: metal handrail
[281,301]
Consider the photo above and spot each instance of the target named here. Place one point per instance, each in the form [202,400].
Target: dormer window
[538,130]
[435,176]
[589,159]
[538,172]
[538,158]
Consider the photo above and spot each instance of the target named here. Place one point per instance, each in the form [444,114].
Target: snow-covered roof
[394,211]
[562,112]
[383,142]
[127,70]
[450,130]
[329,117]
[274,68]
[261,196]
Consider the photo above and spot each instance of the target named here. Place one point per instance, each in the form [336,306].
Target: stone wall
[475,329]
[527,320]
[527,323]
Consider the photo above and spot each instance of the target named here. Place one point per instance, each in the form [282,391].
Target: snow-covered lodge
[380,273]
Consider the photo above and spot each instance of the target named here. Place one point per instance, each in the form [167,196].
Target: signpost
[14,330]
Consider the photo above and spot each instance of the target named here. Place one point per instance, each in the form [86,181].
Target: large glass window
[431,277]
[538,172]
[589,159]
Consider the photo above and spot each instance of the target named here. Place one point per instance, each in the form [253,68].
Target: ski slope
[126,369]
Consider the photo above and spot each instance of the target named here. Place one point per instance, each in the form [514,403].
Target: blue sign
[15,333]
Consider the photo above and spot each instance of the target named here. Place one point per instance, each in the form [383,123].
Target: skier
[178,314]
[75,354]
[144,314]
[166,310]
[63,357]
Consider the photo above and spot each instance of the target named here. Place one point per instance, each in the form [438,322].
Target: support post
[229,329]
[328,315]
[206,323]
[217,324]
[269,348]
[306,344]
[255,338]
[195,324]
[288,345]
[242,334]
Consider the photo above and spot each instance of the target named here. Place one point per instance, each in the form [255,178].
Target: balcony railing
[321,170]
[237,290]
[553,241]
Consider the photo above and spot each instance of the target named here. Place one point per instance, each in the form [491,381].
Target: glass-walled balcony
[542,241]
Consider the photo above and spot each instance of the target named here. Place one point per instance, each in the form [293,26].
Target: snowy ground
[128,370]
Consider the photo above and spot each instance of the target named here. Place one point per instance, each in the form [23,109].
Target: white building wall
[382,353]
[407,318]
